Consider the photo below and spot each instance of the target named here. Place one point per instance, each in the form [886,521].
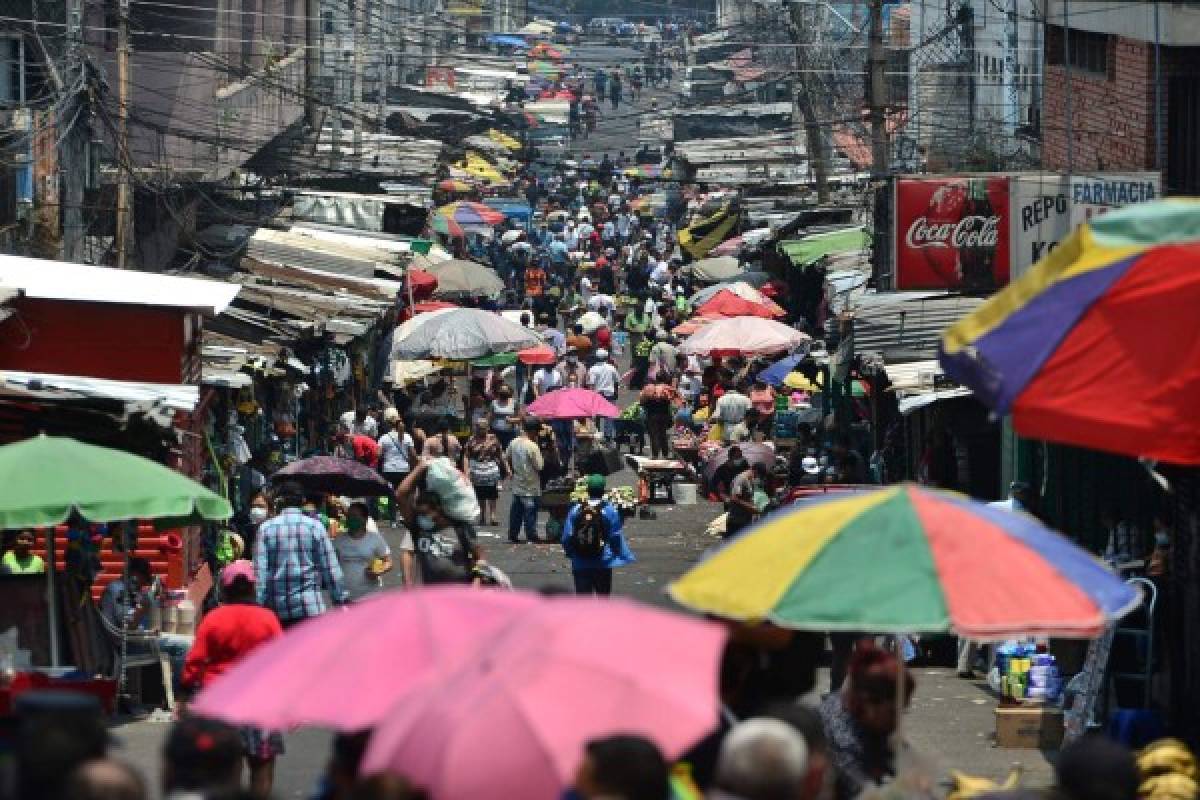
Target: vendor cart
[556,502]
[656,476]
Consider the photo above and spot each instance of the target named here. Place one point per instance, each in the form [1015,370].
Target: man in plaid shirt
[294,559]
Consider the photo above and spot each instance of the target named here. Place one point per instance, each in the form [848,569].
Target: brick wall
[1111,120]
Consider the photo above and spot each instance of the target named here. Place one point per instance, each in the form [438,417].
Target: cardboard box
[1034,727]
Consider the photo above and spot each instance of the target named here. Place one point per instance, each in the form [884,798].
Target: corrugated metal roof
[61,280]
[905,326]
[159,401]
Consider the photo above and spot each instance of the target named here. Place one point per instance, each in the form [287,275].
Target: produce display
[632,411]
[624,498]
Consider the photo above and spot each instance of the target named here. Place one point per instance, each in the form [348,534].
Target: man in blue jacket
[593,538]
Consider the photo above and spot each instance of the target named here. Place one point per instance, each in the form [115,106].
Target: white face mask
[426,523]
[257,514]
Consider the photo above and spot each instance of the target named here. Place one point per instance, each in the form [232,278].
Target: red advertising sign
[952,233]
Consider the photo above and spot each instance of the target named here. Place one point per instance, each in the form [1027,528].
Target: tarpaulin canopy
[721,268]
[705,234]
[814,247]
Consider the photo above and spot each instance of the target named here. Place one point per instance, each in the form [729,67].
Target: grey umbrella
[460,334]
[715,270]
[457,277]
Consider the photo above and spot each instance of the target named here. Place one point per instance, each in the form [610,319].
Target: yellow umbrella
[800,381]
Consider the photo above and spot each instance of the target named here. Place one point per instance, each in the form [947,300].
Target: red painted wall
[97,340]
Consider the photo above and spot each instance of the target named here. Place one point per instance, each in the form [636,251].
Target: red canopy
[727,304]
[423,283]
[541,354]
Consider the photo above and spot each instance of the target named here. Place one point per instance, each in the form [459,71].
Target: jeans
[593,580]
[607,426]
[523,511]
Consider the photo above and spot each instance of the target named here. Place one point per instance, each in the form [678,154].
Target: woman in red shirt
[224,637]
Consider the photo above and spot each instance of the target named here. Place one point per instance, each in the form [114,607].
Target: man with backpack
[593,538]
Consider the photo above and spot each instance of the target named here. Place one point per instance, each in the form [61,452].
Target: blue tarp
[774,374]
[512,208]
[505,40]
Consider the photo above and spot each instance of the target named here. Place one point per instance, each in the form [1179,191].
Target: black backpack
[591,532]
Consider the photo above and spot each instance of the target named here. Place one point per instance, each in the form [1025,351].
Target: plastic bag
[452,487]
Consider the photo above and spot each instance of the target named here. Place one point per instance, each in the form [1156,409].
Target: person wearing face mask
[258,513]
[447,550]
[363,554]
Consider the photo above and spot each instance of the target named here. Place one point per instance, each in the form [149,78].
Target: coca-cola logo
[970,231]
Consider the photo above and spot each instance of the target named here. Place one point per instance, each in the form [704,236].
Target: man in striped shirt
[294,560]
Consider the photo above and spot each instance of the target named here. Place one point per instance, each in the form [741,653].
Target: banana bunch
[1168,771]
[968,786]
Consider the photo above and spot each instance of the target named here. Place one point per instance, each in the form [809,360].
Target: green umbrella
[47,477]
[496,360]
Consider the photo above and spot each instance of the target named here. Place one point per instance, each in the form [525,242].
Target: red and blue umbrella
[450,219]
[1095,346]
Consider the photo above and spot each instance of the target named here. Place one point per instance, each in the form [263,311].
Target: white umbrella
[740,288]
[713,270]
[460,334]
[406,372]
[743,336]
[465,278]
[592,322]
[510,236]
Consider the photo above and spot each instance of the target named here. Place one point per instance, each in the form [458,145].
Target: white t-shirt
[661,274]
[623,224]
[603,379]
[586,287]
[393,452]
[547,379]
[354,555]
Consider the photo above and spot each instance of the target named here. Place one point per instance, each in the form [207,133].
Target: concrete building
[975,80]
[1123,89]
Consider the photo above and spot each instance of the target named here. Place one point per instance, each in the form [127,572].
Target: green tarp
[813,247]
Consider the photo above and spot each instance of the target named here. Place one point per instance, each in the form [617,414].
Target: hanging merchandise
[246,404]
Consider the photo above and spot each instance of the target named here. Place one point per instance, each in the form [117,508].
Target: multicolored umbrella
[572,404]
[907,560]
[333,475]
[544,68]
[544,50]
[569,670]
[450,218]
[456,185]
[1085,347]
[743,336]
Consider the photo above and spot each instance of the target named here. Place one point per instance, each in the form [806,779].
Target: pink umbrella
[572,404]
[513,722]
[345,669]
[743,336]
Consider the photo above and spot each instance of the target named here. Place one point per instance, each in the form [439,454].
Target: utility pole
[73,150]
[356,86]
[877,92]
[804,115]
[124,187]
[312,63]
[383,24]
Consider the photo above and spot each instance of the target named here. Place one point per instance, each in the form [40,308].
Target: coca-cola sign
[952,233]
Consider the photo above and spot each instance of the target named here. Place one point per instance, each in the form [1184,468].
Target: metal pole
[1158,142]
[124,193]
[312,62]
[356,86]
[1067,74]
[72,151]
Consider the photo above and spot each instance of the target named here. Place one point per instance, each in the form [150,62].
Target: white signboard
[1045,208]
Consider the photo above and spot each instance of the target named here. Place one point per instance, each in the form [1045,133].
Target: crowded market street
[590,408]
